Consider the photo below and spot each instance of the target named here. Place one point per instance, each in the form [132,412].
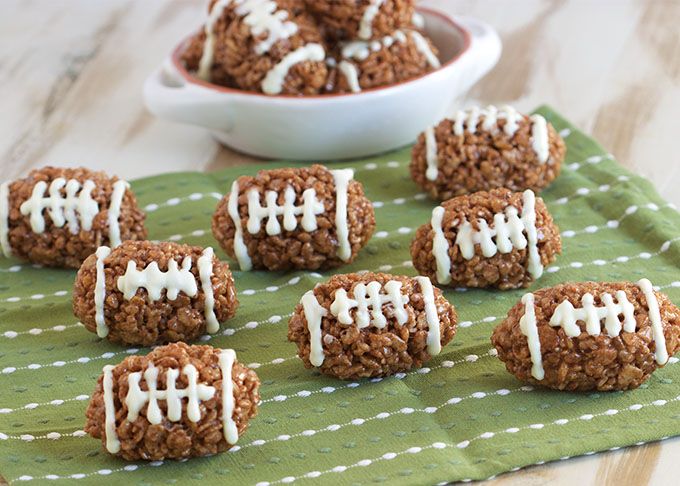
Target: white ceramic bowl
[330,126]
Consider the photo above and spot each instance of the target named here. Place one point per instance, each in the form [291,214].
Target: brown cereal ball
[191,57]
[482,157]
[392,59]
[362,19]
[502,270]
[587,362]
[142,319]
[141,439]
[63,246]
[350,352]
[297,248]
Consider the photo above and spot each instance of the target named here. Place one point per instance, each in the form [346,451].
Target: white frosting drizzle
[342,178]
[566,317]
[195,393]
[469,120]
[369,296]
[434,345]
[361,49]
[440,246]
[528,326]
[273,81]
[73,208]
[112,442]
[366,23]
[424,48]
[508,232]
[431,155]
[351,74]
[314,313]
[309,209]
[154,280]
[4,220]
[100,291]
[539,138]
[119,188]
[240,248]
[418,20]
[262,16]
[206,62]
[226,360]
[205,271]
[655,319]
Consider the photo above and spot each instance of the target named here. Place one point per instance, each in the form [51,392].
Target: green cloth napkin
[461,417]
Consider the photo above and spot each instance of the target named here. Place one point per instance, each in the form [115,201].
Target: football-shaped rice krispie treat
[483,149]
[58,217]
[282,219]
[177,402]
[274,47]
[144,293]
[371,324]
[363,19]
[499,238]
[589,335]
[402,55]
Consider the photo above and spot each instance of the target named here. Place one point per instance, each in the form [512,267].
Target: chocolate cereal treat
[589,335]
[173,403]
[363,19]
[144,293]
[371,324]
[272,47]
[479,150]
[283,219]
[400,56]
[499,239]
[58,217]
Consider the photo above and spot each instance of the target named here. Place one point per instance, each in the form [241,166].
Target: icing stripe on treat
[154,280]
[539,138]
[508,232]
[566,316]
[342,179]
[424,48]
[206,62]
[351,74]
[119,188]
[309,209]
[240,248]
[370,296]
[528,326]
[100,291]
[263,16]
[655,320]
[273,81]
[230,431]
[431,156]
[112,442]
[366,23]
[469,120]
[313,315]
[360,49]
[4,220]
[205,271]
[440,246]
[73,208]
[434,346]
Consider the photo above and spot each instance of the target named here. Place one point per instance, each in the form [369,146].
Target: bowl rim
[191,79]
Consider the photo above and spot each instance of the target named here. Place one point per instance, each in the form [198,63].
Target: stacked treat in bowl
[299,47]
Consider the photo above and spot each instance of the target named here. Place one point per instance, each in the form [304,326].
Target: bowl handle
[484,51]
[168,95]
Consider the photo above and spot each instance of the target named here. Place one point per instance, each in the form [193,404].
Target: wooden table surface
[71,73]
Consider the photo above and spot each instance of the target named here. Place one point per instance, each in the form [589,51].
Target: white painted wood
[71,73]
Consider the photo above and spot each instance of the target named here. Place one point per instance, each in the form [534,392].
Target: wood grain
[71,74]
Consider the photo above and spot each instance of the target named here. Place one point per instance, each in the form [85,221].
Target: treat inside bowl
[330,126]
